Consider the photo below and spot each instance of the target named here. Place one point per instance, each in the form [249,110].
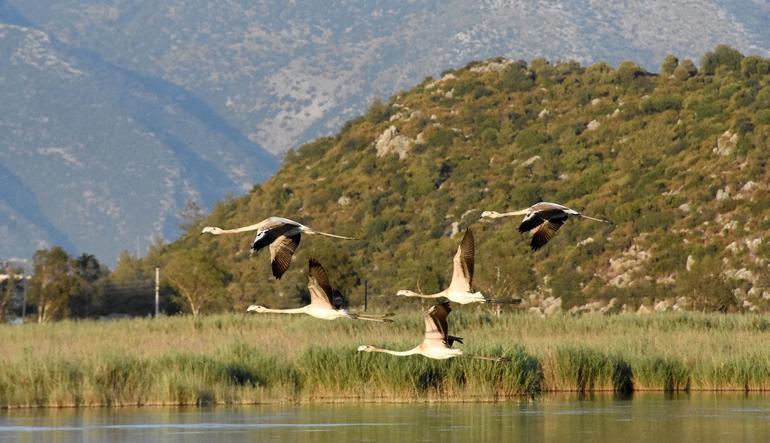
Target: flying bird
[321,300]
[544,219]
[283,236]
[460,289]
[437,343]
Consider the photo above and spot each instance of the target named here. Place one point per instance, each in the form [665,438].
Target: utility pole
[25,279]
[157,291]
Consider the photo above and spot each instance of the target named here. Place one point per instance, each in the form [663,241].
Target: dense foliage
[678,161]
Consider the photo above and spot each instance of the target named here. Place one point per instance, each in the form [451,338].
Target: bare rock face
[492,66]
[593,125]
[390,141]
[690,262]
[726,143]
[623,267]
[643,310]
[611,308]
[663,306]
[531,161]
[551,305]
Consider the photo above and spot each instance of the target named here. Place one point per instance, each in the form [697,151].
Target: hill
[678,161]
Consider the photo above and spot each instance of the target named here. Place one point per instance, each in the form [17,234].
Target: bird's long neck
[301,310]
[412,351]
[408,293]
[510,214]
[307,230]
[237,230]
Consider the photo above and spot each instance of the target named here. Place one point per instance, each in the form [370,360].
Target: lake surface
[650,417]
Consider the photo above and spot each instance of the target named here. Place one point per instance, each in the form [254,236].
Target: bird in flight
[437,343]
[321,300]
[281,234]
[544,220]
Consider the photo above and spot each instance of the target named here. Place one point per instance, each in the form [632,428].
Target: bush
[724,56]
[660,104]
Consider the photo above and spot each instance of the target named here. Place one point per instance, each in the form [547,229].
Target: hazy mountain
[111,108]
[97,158]
[287,72]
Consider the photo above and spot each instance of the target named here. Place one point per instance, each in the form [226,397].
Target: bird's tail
[311,231]
[596,219]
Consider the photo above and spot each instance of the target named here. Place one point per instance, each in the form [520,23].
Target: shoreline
[546,395]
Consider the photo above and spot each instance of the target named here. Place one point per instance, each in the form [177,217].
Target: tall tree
[51,284]
[10,283]
[198,279]
[85,301]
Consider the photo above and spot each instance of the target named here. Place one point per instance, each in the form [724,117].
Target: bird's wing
[321,292]
[530,221]
[269,232]
[462,270]
[436,325]
[281,251]
[546,231]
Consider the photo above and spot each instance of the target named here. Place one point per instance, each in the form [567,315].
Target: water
[701,417]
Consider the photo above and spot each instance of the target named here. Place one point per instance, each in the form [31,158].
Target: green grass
[232,359]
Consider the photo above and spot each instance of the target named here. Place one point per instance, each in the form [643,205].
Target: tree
[669,64]
[752,66]
[685,70]
[627,72]
[10,283]
[52,283]
[190,215]
[85,300]
[722,55]
[198,279]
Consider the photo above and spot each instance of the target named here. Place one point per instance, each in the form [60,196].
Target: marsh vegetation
[234,358]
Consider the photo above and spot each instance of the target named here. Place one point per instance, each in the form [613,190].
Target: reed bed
[236,359]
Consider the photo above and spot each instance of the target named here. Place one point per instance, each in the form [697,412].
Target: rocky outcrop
[492,66]
[623,267]
[390,141]
[726,143]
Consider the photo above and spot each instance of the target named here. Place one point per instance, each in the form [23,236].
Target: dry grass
[265,358]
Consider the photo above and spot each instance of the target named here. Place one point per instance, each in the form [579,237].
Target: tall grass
[263,358]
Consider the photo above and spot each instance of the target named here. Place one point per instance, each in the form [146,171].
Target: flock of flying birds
[282,235]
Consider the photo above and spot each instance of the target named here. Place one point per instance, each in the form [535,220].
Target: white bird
[437,343]
[321,300]
[544,219]
[283,236]
[460,288]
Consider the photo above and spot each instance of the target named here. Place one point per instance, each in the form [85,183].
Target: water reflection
[703,417]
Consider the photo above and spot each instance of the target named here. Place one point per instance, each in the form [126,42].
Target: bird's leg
[496,359]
